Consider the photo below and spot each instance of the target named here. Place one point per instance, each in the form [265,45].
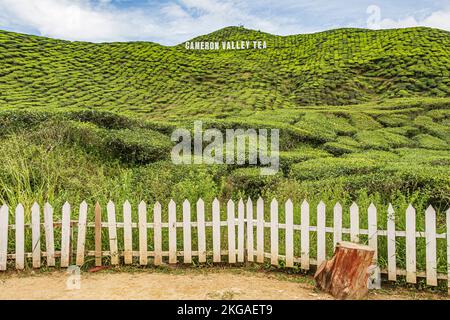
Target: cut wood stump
[345,275]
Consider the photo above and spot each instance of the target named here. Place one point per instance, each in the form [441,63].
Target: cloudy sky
[174,21]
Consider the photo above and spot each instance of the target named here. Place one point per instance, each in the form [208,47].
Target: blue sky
[171,22]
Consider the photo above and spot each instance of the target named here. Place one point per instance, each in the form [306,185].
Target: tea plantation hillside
[338,67]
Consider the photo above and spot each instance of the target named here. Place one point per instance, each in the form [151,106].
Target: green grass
[363,116]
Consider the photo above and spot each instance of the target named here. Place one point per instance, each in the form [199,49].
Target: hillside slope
[344,66]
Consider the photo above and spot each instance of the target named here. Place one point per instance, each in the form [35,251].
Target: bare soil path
[177,284]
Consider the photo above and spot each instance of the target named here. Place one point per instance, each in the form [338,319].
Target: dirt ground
[180,284]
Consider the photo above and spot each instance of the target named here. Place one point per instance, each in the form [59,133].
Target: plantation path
[184,284]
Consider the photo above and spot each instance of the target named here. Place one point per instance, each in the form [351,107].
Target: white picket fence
[241,244]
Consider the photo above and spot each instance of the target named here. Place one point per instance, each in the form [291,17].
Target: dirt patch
[185,284]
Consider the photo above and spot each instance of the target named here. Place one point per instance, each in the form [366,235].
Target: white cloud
[179,20]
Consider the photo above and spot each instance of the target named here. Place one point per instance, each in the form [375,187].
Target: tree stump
[345,275]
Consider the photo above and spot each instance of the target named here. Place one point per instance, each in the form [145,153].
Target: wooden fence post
[354,223]
[274,239]
[157,235]
[289,233]
[172,232]
[142,216]
[49,234]
[20,238]
[65,236]
[250,244]
[241,231]
[112,230]
[231,232]
[304,235]
[98,235]
[260,230]
[81,238]
[430,240]
[391,245]
[4,217]
[127,233]
[187,246]
[36,235]
[411,244]
[337,224]
[201,232]
[321,236]
[216,230]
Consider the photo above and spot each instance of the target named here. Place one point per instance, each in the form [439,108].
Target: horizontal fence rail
[236,233]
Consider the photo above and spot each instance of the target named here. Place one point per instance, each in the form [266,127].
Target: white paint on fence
[372,230]
[20,238]
[244,223]
[321,237]
[65,236]
[49,235]
[157,234]
[304,242]
[142,216]
[172,232]
[127,234]
[289,233]
[112,229]
[411,244]
[430,241]
[81,240]
[4,217]
[391,244]
[216,230]
[337,224]
[187,246]
[274,232]
[354,223]
[201,231]
[250,244]
[260,230]
[36,235]
[231,232]
[241,231]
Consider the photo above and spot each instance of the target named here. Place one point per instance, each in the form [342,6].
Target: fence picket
[391,245]
[321,237]
[274,232]
[260,230]
[430,240]
[411,244]
[81,238]
[157,234]
[201,232]
[241,231]
[20,237]
[187,247]
[231,232]
[112,229]
[372,230]
[65,236]
[354,223]
[127,234]
[304,258]
[4,217]
[337,224]
[250,245]
[216,230]
[289,233]
[36,235]
[49,235]
[142,217]
[98,235]
[172,232]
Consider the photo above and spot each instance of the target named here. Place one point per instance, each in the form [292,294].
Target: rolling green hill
[338,67]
